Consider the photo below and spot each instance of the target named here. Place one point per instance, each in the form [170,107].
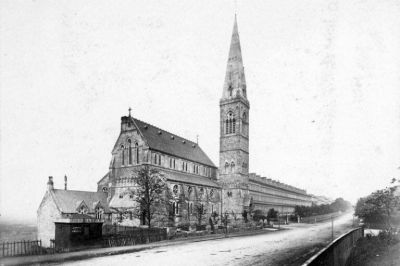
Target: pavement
[291,247]
[92,253]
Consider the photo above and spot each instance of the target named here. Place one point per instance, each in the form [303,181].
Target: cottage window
[99,212]
[82,210]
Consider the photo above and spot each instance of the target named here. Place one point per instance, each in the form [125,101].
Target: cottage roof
[166,142]
[69,200]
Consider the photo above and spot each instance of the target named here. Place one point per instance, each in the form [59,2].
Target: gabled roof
[68,200]
[166,142]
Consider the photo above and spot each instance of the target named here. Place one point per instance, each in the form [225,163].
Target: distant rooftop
[275,183]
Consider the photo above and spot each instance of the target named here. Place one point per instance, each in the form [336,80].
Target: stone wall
[46,216]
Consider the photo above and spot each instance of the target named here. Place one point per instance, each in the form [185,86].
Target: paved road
[287,247]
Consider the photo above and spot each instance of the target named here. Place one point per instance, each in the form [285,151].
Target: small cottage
[70,215]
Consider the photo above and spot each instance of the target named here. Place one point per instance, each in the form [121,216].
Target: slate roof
[191,179]
[117,202]
[166,142]
[69,200]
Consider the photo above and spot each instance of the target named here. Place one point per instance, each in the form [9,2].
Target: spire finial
[129,109]
[235,8]
[197,139]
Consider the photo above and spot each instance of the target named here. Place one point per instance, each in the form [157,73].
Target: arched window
[175,189]
[176,208]
[130,152]
[230,123]
[137,152]
[122,155]
[226,166]
[244,123]
[232,166]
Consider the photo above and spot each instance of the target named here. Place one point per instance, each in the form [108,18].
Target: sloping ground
[388,258]
[291,246]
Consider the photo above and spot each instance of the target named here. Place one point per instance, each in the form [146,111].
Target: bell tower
[234,132]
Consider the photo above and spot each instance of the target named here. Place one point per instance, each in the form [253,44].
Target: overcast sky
[323,81]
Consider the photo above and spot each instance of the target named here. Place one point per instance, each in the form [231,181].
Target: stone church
[191,175]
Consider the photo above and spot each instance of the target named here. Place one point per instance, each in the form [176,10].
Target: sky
[323,81]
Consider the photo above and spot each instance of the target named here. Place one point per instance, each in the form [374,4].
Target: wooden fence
[133,235]
[8,249]
[319,218]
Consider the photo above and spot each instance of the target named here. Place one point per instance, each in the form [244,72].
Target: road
[292,246]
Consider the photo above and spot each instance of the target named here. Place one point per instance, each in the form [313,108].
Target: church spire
[235,82]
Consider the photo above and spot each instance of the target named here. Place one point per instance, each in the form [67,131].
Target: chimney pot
[50,183]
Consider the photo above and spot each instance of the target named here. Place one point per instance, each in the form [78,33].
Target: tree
[272,214]
[379,206]
[151,193]
[215,215]
[244,215]
[259,215]
[199,210]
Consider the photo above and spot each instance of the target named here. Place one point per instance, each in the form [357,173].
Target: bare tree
[151,193]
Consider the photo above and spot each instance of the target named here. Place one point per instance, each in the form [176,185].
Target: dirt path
[292,246]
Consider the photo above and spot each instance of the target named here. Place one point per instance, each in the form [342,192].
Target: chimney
[65,182]
[50,184]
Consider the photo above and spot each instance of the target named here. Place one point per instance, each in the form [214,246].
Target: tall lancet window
[137,152]
[130,151]
[230,123]
[122,155]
